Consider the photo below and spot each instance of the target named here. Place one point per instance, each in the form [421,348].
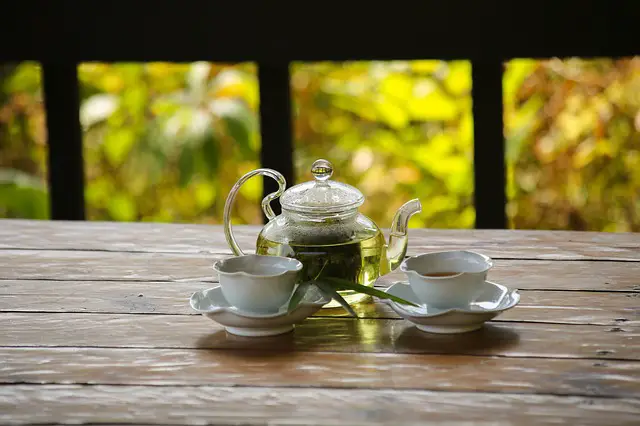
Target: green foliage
[23,191]
[395,130]
[22,195]
[165,142]
[573,144]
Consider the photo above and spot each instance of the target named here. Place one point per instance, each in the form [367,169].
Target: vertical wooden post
[275,123]
[488,145]
[64,138]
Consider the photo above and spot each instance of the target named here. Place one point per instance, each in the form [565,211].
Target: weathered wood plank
[122,236]
[553,275]
[101,266]
[260,406]
[189,238]
[319,334]
[570,307]
[340,370]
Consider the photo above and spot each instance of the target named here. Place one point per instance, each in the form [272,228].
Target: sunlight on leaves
[171,139]
[97,108]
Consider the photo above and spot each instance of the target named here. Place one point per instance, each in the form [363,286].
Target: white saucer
[494,300]
[212,304]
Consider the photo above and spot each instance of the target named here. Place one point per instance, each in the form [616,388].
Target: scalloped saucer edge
[494,299]
[212,304]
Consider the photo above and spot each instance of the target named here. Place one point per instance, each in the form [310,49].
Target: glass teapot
[321,227]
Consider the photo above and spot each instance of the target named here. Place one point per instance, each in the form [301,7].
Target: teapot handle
[266,207]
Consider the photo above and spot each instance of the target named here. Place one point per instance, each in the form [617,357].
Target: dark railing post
[488,145]
[64,138]
[275,123]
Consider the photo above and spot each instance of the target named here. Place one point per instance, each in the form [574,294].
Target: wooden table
[96,328]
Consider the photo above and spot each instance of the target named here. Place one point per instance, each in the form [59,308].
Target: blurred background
[165,142]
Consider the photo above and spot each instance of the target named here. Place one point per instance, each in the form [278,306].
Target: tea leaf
[340,284]
[326,262]
[298,295]
[328,290]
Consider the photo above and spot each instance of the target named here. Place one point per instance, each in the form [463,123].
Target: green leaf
[298,295]
[240,130]
[210,154]
[117,145]
[340,284]
[238,120]
[324,265]
[25,78]
[330,292]
[22,195]
[23,202]
[186,165]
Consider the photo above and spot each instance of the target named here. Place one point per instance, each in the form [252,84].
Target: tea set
[320,233]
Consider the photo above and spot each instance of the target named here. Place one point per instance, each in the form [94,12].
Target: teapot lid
[321,195]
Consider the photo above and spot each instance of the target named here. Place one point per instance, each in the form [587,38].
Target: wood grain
[566,307]
[108,266]
[339,370]
[72,352]
[260,406]
[554,275]
[190,238]
[319,334]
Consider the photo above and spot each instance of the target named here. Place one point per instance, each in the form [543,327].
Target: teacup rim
[407,270]
[297,265]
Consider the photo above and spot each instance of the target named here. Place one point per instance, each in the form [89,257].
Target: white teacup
[447,279]
[255,283]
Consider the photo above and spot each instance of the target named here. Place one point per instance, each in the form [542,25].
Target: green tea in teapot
[359,259]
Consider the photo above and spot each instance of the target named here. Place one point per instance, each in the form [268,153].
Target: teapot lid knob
[322,170]
[321,196]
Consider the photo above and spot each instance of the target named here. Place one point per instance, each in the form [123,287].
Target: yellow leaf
[99,190]
[516,72]
[584,153]
[434,106]
[467,218]
[232,83]
[122,208]
[112,83]
[406,175]
[391,113]
[458,80]
[159,69]
[396,86]
[459,180]
[465,131]
[427,66]
[205,194]
[252,189]
[364,109]
[440,203]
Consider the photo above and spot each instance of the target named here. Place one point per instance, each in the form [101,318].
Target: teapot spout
[398,238]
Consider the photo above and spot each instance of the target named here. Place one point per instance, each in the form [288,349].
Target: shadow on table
[490,339]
